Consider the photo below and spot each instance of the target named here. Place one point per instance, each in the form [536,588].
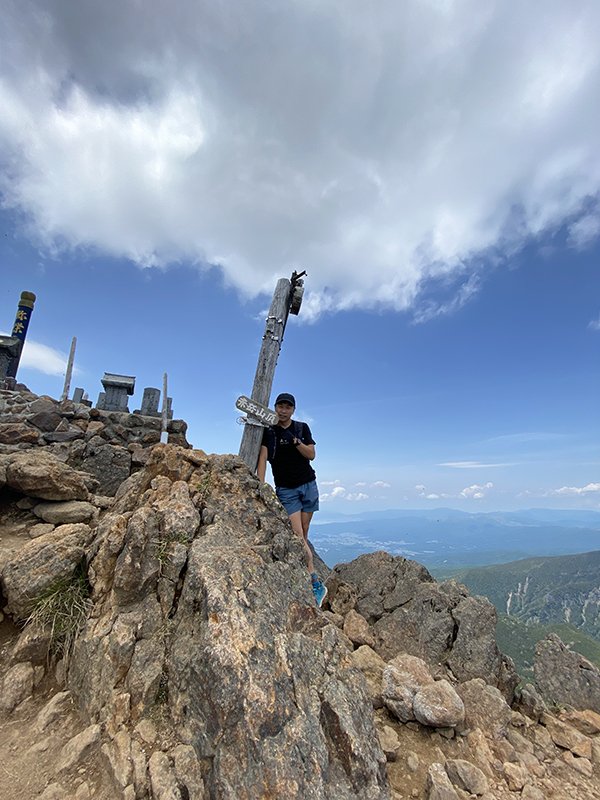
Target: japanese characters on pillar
[19,330]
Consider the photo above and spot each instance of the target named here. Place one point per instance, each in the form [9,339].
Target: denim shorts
[302,498]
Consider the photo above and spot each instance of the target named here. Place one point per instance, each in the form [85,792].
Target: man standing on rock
[289,448]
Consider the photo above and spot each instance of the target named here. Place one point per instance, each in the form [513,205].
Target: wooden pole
[164,436]
[265,370]
[69,372]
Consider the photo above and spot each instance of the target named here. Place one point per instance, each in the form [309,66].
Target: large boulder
[42,564]
[565,677]
[39,474]
[203,608]
[411,613]
[110,464]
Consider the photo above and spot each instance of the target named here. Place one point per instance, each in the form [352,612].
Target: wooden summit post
[287,299]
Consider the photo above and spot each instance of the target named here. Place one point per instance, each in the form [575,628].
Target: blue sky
[435,170]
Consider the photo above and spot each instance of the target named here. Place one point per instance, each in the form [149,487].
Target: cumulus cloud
[42,358]
[590,488]
[476,491]
[257,136]
[381,485]
[339,492]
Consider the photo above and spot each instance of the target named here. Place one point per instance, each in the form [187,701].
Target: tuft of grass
[163,547]
[203,488]
[62,609]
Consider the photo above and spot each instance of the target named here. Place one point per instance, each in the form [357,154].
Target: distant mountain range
[559,589]
[446,538]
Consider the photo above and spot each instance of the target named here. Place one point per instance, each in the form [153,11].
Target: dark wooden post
[286,299]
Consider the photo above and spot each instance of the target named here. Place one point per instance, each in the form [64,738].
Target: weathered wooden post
[164,436]
[69,372]
[287,299]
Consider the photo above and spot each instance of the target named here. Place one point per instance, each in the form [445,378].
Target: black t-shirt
[290,469]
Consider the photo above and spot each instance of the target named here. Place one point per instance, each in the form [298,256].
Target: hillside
[544,590]
[519,639]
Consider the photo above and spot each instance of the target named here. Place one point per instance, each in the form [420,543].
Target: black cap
[284,397]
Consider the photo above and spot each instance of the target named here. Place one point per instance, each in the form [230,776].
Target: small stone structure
[110,445]
[9,349]
[116,390]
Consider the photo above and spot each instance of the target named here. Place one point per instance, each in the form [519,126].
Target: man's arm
[306,450]
[261,467]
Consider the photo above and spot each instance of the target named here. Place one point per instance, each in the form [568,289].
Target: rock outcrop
[411,613]
[199,666]
[106,445]
[566,677]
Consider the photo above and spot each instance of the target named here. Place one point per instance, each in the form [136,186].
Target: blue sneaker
[320,592]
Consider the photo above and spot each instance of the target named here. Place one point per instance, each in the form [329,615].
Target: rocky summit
[159,639]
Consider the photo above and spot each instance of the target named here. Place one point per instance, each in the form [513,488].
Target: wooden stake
[69,372]
[164,436]
[265,370]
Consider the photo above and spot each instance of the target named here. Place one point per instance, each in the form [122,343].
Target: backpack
[297,429]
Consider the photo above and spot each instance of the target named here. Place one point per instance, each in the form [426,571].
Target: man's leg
[297,521]
[306,518]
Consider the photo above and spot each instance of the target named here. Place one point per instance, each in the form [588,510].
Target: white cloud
[585,230]
[420,488]
[357,496]
[576,490]
[254,135]
[476,491]
[42,358]
[381,485]
[595,324]
[472,465]
[339,492]
[432,497]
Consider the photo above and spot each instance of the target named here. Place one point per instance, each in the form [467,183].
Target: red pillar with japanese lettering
[19,330]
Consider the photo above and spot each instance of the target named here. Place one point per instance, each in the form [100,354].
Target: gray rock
[485,707]
[54,791]
[78,748]
[188,771]
[65,512]
[162,777]
[402,678]
[39,474]
[45,420]
[529,700]
[41,529]
[40,564]
[411,613]
[18,433]
[437,785]
[357,629]
[54,709]
[33,645]
[389,741]
[565,677]
[466,776]
[110,464]
[438,705]
[371,665]
[17,686]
